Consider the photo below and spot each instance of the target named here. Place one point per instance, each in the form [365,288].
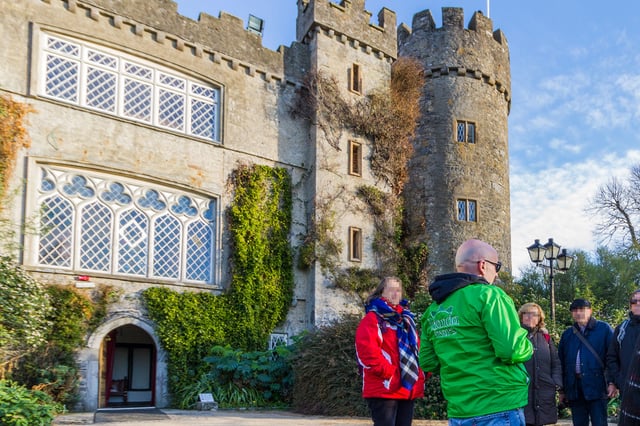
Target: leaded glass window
[94,222]
[467,210]
[465,131]
[116,83]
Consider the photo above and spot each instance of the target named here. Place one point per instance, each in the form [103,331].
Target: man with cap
[582,351]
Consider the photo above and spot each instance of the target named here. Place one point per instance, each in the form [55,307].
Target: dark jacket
[546,377]
[620,353]
[594,383]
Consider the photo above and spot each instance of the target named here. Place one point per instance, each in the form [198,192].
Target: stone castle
[142,114]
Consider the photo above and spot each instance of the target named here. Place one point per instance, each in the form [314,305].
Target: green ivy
[262,261]
[189,324]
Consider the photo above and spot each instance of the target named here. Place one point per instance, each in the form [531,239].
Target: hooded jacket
[471,336]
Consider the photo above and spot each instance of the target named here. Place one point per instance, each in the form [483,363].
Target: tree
[617,203]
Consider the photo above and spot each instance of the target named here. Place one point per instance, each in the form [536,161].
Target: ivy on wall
[262,260]
[387,117]
[189,324]
[13,136]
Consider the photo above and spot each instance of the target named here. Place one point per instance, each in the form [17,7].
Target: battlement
[452,20]
[348,19]
[225,34]
[476,52]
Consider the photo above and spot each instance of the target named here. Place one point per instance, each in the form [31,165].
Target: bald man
[472,338]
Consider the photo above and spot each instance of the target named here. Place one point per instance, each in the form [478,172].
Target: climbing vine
[387,117]
[13,136]
[190,324]
[262,261]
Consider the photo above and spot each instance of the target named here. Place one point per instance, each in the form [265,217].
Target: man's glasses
[498,265]
[634,301]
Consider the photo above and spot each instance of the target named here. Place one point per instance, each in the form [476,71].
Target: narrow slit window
[355,244]
[355,158]
[355,78]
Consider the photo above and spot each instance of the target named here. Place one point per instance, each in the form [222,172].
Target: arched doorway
[128,368]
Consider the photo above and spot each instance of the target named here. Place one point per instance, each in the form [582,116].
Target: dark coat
[594,383]
[620,353]
[546,377]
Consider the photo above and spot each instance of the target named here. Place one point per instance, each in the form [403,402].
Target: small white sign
[206,397]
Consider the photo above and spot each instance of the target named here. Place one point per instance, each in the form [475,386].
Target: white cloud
[551,203]
[564,145]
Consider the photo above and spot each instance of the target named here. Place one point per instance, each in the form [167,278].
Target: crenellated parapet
[477,51]
[226,35]
[348,22]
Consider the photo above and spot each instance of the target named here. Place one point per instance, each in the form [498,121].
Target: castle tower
[459,184]
[346,47]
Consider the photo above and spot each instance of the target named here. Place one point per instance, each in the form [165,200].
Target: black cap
[579,303]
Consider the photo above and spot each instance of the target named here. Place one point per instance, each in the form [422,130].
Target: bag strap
[588,345]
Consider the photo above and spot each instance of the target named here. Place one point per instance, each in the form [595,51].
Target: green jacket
[472,338]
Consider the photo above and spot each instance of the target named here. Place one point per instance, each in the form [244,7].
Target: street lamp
[558,261]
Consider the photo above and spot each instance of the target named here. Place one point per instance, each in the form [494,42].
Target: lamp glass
[552,249]
[536,252]
[564,261]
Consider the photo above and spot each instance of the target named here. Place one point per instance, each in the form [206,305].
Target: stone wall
[468,78]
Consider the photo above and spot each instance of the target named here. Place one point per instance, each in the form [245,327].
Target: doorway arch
[124,345]
[128,357]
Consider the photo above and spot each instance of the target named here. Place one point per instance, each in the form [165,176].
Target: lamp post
[557,261]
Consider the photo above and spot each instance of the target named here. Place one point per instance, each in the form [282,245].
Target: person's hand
[612,391]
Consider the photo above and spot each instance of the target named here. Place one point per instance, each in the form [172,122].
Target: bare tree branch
[618,206]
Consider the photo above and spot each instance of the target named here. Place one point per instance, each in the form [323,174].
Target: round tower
[459,176]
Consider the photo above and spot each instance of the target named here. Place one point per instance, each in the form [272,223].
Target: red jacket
[379,359]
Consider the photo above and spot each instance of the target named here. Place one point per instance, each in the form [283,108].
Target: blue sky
[575,114]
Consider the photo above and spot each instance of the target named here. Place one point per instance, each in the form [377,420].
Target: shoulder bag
[588,345]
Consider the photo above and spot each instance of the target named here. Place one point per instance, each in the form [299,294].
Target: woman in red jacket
[387,348]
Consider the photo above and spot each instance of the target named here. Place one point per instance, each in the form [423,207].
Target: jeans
[391,412]
[503,418]
[582,409]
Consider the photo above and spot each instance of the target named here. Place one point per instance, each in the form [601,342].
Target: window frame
[355,244]
[470,210]
[195,109]
[355,78]
[470,137]
[197,265]
[355,158]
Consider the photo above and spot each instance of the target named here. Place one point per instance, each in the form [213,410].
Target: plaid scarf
[407,337]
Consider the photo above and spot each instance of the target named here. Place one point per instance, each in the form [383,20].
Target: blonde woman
[543,368]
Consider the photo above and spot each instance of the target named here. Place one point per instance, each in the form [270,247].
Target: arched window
[94,222]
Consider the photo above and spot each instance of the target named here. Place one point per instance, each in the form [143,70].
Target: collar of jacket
[591,324]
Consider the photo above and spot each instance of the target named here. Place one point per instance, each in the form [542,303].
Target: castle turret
[459,176]
[352,56]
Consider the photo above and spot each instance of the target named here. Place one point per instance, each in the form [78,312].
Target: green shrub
[326,379]
[267,373]
[239,379]
[22,407]
[433,406]
[24,308]
[52,368]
